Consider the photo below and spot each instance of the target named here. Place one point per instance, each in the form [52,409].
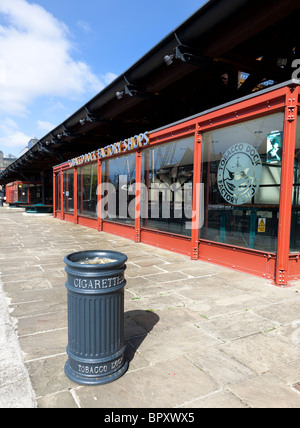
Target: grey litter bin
[95,316]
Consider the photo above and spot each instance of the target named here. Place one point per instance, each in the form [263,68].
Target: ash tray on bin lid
[96,261]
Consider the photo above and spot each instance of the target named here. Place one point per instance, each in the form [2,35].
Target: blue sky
[55,55]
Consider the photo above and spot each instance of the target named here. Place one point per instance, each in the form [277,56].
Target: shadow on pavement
[138,324]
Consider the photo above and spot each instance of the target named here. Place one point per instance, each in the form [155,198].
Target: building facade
[221,186]
[6,161]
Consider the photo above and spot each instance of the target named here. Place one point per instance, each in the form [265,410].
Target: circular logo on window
[239,173]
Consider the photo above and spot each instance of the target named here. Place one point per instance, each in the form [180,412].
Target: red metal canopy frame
[280,267]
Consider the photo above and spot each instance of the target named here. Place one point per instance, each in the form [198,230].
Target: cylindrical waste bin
[96,346]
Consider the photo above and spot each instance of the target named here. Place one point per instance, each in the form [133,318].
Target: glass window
[69,191]
[167,187]
[35,193]
[57,192]
[118,189]
[23,193]
[295,223]
[241,170]
[87,180]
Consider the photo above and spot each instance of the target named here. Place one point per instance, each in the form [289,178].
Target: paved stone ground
[197,335]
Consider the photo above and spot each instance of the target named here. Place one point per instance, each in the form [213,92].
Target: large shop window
[167,187]
[87,177]
[295,223]
[241,171]
[57,191]
[69,191]
[118,189]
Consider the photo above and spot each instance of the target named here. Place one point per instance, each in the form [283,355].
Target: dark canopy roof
[224,36]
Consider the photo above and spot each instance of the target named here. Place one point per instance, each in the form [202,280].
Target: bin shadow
[137,325]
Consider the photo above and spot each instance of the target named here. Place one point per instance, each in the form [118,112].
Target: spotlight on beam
[120,95]
[169,59]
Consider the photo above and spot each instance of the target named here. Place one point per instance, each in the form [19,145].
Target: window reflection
[87,177]
[118,189]
[68,191]
[23,192]
[167,178]
[242,184]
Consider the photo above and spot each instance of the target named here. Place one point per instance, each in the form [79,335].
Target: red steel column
[62,193]
[75,196]
[54,195]
[286,194]
[99,214]
[196,195]
[138,197]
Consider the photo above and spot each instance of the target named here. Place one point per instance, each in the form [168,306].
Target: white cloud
[109,77]
[11,136]
[84,26]
[36,59]
[45,126]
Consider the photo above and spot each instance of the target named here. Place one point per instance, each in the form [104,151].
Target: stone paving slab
[165,384]
[265,391]
[197,335]
[15,387]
